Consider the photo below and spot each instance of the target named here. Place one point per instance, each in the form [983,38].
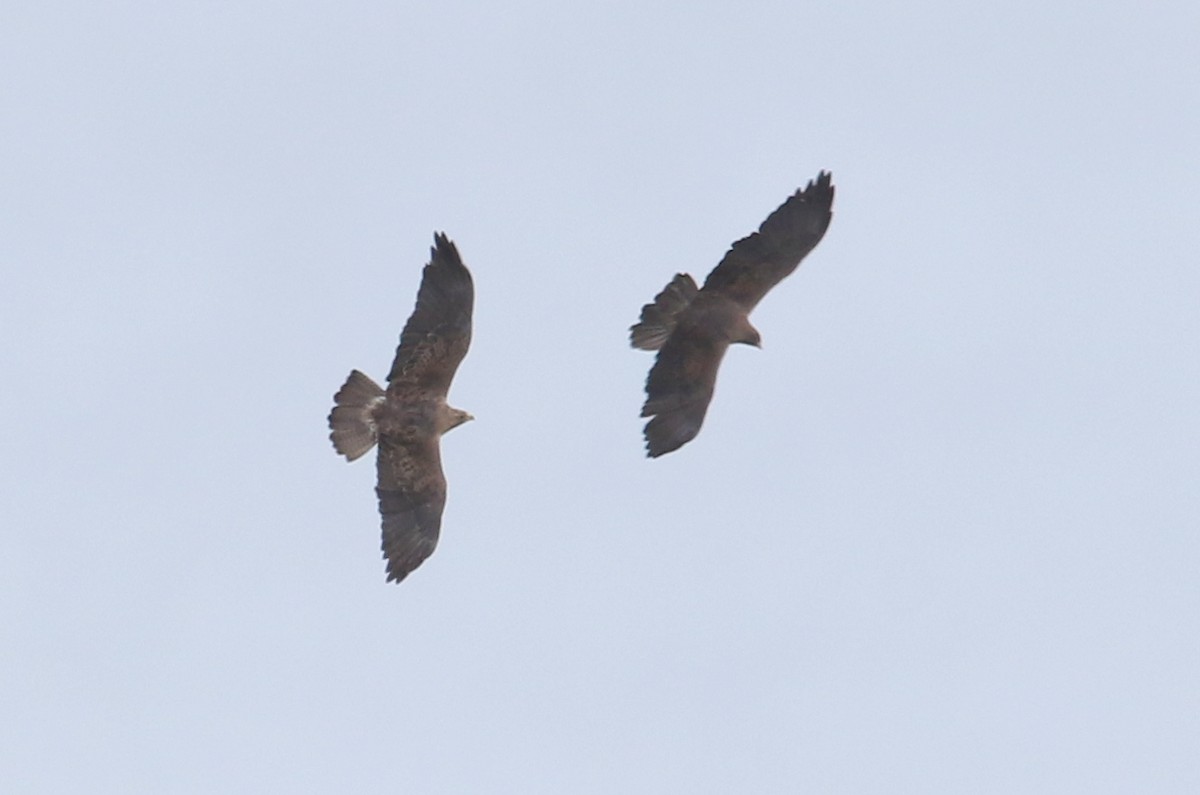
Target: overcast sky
[939,535]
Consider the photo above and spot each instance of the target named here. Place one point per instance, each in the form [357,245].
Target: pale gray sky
[939,535]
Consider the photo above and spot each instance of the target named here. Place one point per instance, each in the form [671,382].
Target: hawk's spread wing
[438,333]
[412,494]
[680,387]
[757,263]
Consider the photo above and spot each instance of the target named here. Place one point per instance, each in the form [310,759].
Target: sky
[938,535]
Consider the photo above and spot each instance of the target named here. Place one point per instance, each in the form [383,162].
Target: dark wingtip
[657,452]
[660,440]
[444,258]
[444,246]
[823,183]
[399,568]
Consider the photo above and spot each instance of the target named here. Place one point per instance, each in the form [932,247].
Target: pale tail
[352,420]
[658,318]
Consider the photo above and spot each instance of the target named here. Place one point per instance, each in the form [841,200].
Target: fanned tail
[658,319]
[352,420]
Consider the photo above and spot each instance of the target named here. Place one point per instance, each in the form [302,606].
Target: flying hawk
[692,328]
[408,419]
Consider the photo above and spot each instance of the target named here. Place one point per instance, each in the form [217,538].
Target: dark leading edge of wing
[438,333]
[760,261]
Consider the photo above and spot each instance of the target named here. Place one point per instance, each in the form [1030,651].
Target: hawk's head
[746,334]
[452,418]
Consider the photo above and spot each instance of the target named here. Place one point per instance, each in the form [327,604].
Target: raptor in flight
[407,419]
[692,328]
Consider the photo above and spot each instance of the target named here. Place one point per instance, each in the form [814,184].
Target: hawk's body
[408,419]
[692,328]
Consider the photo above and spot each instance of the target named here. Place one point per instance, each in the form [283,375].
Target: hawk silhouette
[407,419]
[692,328]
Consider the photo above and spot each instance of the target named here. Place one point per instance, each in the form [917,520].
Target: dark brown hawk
[407,419]
[692,328]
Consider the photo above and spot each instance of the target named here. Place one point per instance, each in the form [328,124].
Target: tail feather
[659,318]
[352,421]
